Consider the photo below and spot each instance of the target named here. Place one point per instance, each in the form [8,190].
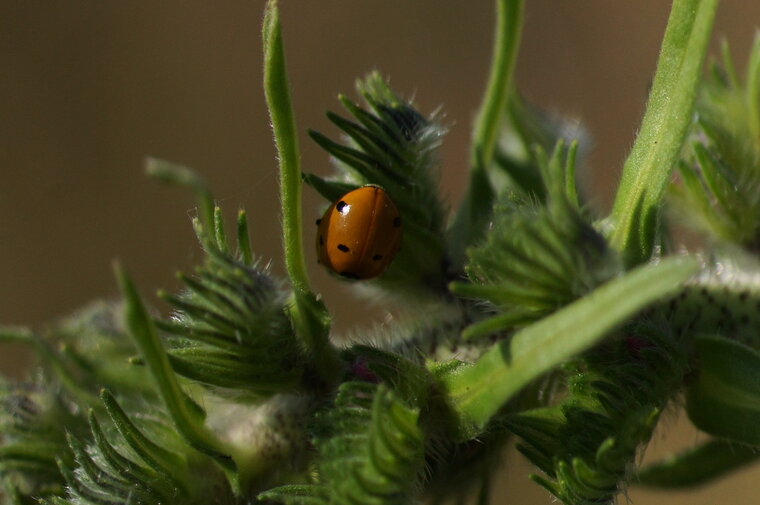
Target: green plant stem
[477,392]
[309,315]
[488,125]
[668,115]
[475,209]
[277,94]
[753,87]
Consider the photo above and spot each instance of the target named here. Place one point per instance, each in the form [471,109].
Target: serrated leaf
[370,451]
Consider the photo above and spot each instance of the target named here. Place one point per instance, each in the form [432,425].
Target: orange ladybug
[359,235]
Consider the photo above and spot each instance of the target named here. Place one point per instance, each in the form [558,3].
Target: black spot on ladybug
[396,221]
[377,257]
[343,247]
[340,206]
[318,221]
[349,275]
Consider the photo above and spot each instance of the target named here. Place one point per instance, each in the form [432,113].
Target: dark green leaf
[725,399]
[700,465]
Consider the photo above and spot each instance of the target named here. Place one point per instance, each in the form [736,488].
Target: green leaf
[375,457]
[129,470]
[536,258]
[330,190]
[219,233]
[108,485]
[187,420]
[719,189]
[370,451]
[725,399]
[170,465]
[529,132]
[588,442]
[477,392]
[647,169]
[699,465]
[53,359]
[243,240]
[295,494]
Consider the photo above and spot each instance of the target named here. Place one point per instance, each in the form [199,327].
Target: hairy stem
[474,212]
[286,139]
[309,315]
[663,129]
[488,125]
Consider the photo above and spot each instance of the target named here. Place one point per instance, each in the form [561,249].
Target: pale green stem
[474,212]
[666,121]
[309,315]
[277,94]
[753,88]
[490,117]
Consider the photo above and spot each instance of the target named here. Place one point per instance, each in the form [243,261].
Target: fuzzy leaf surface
[663,129]
[479,391]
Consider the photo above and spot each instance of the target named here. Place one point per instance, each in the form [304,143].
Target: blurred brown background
[88,88]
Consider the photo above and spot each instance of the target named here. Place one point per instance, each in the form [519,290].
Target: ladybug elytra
[359,235]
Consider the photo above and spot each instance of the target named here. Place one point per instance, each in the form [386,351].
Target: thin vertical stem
[277,94]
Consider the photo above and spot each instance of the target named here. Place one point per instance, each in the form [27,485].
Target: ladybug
[359,235]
